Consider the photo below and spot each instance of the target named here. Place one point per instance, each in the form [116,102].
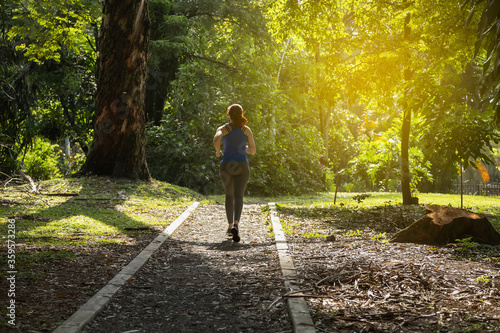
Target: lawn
[99,211]
[323,203]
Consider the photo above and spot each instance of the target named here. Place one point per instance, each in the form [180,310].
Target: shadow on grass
[387,218]
[98,210]
[92,210]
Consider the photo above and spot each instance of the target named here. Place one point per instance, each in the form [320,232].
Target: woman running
[237,139]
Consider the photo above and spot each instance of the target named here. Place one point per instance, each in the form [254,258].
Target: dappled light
[359,115]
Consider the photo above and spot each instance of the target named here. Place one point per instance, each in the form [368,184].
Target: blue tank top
[235,144]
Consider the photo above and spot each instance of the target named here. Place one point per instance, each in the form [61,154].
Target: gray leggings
[234,176]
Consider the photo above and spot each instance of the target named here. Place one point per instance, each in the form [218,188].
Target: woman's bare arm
[217,139]
[251,142]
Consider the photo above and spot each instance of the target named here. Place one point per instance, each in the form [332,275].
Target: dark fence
[478,188]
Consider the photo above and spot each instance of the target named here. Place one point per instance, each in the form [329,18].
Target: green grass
[321,204]
[108,211]
[103,212]
[381,198]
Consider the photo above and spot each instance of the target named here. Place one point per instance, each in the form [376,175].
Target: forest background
[327,86]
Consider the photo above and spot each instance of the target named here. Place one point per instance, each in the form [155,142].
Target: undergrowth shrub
[286,165]
[40,160]
[180,150]
[183,154]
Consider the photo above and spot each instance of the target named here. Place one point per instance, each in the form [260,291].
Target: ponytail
[235,111]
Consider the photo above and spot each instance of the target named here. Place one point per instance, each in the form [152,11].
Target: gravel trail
[201,281]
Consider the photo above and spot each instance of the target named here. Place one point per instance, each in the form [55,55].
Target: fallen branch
[99,199]
[34,187]
[274,302]
[8,180]
[308,295]
[322,280]
[60,194]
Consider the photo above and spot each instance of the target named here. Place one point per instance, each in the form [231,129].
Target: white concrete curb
[89,310]
[297,306]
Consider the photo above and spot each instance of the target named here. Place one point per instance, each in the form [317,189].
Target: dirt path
[201,281]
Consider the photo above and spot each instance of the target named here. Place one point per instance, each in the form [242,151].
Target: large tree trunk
[118,148]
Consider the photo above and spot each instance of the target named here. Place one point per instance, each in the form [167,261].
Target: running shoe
[235,233]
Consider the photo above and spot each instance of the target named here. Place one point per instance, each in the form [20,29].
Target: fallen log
[443,224]
[60,194]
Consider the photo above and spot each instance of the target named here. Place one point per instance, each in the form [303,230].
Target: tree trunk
[443,224]
[118,148]
[323,114]
[405,130]
[388,172]
[324,119]
[405,160]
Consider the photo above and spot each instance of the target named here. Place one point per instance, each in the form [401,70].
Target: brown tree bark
[118,147]
[443,224]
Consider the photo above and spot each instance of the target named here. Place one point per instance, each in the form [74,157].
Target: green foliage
[376,166]
[380,237]
[181,150]
[343,133]
[182,154]
[359,54]
[46,74]
[458,122]
[466,246]
[172,41]
[486,279]
[287,165]
[469,249]
[45,28]
[40,161]
[235,65]
[313,235]
[16,97]
[352,233]
[488,39]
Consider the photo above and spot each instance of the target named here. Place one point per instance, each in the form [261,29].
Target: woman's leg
[234,176]
[228,183]
[240,183]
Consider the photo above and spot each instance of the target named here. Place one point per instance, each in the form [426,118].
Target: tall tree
[169,41]
[382,55]
[47,82]
[405,130]
[488,36]
[118,147]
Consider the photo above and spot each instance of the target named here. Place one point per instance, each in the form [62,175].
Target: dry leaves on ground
[360,282]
